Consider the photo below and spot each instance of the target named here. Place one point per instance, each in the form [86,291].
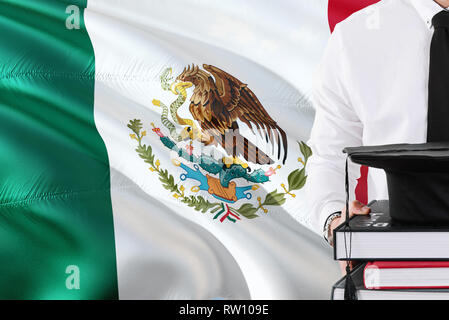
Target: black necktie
[438,107]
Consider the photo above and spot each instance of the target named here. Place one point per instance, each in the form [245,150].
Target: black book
[377,237]
[368,294]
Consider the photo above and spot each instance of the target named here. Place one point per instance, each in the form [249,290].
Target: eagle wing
[237,101]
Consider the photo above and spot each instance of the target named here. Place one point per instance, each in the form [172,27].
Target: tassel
[350,290]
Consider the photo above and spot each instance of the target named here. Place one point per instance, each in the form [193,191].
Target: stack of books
[395,262]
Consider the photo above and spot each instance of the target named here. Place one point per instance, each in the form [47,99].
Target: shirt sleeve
[336,126]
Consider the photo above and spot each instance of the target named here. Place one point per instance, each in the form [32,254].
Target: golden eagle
[217,105]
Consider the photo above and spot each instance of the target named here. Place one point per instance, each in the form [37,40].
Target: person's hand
[355,208]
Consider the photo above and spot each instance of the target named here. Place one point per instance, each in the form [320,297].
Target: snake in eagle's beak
[183,85]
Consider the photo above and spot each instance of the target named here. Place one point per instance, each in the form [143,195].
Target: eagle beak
[187,84]
[182,85]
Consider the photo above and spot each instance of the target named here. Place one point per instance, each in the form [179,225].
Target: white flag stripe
[164,248]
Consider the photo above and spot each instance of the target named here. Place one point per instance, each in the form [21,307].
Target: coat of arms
[222,166]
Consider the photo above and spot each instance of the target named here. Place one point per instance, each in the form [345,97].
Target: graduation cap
[417,179]
[418,186]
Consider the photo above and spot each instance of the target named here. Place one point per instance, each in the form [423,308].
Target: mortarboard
[417,179]
[418,186]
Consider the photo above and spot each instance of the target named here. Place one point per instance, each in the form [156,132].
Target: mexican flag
[113,180]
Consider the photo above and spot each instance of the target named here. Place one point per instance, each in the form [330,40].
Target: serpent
[179,89]
[166,122]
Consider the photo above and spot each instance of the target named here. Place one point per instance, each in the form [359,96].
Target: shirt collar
[427,9]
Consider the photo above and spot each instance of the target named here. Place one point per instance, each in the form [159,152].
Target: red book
[406,275]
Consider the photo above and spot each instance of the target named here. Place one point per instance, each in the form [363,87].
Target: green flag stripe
[55,207]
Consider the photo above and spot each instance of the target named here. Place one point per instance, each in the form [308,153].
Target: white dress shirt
[371,90]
